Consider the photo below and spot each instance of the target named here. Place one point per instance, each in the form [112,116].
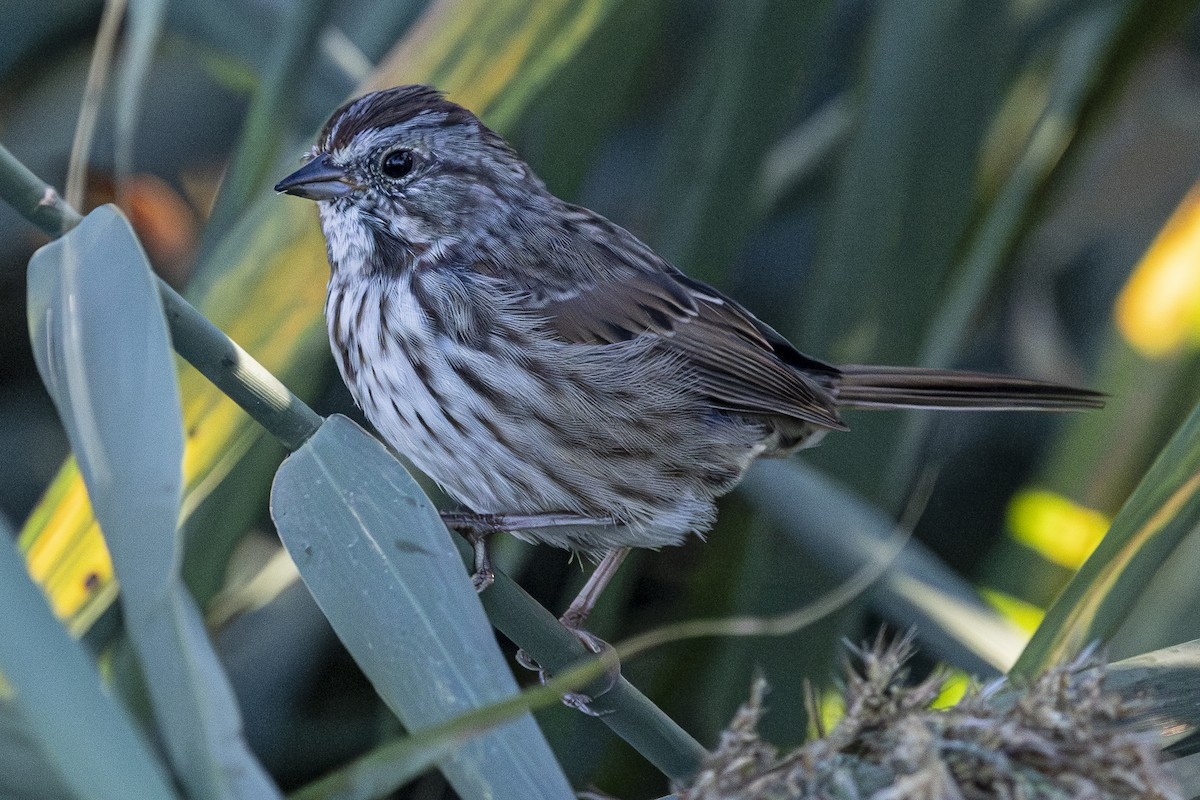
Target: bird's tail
[918,387]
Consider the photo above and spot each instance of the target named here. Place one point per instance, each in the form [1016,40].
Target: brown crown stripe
[385,109]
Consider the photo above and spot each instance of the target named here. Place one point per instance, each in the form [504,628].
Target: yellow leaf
[1158,311]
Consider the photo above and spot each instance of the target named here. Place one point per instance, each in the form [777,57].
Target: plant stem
[33,198]
[235,372]
[89,109]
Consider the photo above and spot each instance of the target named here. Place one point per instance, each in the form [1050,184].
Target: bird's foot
[476,529]
[578,700]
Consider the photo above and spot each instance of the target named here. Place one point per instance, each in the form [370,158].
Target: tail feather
[918,387]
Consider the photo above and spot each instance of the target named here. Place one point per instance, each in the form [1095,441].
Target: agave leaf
[59,712]
[101,344]
[25,772]
[1162,512]
[264,282]
[384,570]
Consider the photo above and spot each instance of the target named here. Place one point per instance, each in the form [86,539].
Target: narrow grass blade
[89,108]
[384,570]
[81,730]
[842,531]
[393,764]
[737,102]
[101,344]
[143,28]
[1161,513]
[269,117]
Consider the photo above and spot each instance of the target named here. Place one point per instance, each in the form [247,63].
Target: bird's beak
[319,179]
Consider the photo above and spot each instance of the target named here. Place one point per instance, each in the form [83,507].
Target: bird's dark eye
[397,164]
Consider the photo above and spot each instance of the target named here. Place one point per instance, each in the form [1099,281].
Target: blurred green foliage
[950,183]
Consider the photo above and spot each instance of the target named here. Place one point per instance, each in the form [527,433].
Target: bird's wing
[739,362]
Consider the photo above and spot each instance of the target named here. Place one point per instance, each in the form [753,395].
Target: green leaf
[269,116]
[101,344]
[904,198]
[905,193]
[384,570]
[101,347]
[737,103]
[80,729]
[144,26]
[1160,514]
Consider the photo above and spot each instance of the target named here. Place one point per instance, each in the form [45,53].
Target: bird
[548,369]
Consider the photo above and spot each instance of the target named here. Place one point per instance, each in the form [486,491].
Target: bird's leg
[581,607]
[483,576]
[478,528]
[576,615]
[574,618]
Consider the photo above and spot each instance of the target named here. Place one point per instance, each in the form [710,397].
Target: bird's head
[404,170]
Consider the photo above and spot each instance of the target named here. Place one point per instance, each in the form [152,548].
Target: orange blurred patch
[164,220]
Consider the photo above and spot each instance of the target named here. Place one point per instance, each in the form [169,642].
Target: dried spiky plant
[1060,736]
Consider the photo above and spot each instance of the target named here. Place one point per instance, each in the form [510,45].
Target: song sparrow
[545,366]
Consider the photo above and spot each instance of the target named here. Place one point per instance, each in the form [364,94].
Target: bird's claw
[482,578]
[578,700]
[527,662]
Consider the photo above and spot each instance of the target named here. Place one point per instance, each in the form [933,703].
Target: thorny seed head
[1061,736]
